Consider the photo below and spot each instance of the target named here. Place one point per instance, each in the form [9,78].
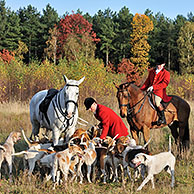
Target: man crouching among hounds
[111,124]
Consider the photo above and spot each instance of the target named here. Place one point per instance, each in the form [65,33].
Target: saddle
[152,102]
[46,102]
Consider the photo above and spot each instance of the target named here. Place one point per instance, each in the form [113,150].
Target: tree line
[108,35]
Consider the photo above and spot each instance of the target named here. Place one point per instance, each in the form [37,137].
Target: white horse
[62,113]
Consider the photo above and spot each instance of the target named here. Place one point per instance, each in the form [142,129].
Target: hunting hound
[34,153]
[126,149]
[7,149]
[155,164]
[89,157]
[62,161]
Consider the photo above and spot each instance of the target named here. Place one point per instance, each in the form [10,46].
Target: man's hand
[150,89]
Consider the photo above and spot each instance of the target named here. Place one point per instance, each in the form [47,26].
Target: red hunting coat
[159,82]
[112,124]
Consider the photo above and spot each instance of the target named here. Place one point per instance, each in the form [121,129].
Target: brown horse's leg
[135,135]
[146,134]
[173,127]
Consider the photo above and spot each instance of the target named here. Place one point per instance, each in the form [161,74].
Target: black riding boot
[161,119]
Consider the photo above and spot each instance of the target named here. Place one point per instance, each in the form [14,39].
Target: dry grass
[14,108]
[16,115]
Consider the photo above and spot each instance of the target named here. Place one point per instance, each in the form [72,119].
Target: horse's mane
[127,84]
[130,87]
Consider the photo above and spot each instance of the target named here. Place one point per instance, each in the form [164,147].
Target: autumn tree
[141,25]
[51,50]
[6,56]
[21,50]
[186,48]
[75,36]
[129,70]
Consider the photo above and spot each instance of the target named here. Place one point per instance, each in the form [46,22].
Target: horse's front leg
[35,130]
[69,133]
[56,134]
[135,135]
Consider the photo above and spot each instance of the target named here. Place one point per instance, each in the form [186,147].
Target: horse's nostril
[69,115]
[122,114]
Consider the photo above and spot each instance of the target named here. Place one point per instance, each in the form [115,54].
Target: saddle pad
[45,103]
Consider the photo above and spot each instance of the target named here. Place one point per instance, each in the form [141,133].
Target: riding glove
[150,89]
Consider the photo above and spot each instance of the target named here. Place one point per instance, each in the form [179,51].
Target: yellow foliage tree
[186,47]
[142,25]
[51,50]
[21,50]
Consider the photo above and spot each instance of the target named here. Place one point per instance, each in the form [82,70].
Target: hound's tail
[169,146]
[25,138]
[19,153]
[147,143]
[1,147]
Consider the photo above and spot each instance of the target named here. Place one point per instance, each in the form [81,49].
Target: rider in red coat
[157,81]
[112,124]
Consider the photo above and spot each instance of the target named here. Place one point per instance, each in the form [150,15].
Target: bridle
[57,105]
[68,101]
[130,109]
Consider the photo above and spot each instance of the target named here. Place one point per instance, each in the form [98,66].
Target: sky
[170,8]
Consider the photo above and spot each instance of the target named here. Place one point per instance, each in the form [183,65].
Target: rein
[57,105]
[130,109]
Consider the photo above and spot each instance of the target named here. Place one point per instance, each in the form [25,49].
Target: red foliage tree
[7,56]
[130,70]
[74,25]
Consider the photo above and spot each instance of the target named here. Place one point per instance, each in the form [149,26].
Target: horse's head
[71,94]
[123,97]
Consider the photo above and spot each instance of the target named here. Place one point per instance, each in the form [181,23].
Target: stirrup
[161,121]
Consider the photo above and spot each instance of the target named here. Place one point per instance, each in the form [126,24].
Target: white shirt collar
[157,70]
[96,109]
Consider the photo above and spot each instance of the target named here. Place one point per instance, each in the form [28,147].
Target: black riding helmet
[88,102]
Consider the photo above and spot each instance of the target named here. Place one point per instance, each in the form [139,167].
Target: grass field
[15,115]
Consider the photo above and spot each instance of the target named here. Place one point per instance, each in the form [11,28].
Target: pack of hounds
[86,157]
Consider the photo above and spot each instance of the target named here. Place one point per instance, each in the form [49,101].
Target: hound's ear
[144,157]
[65,79]
[120,148]
[70,149]
[117,86]
[14,136]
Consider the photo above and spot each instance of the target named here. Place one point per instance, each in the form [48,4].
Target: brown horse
[142,116]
